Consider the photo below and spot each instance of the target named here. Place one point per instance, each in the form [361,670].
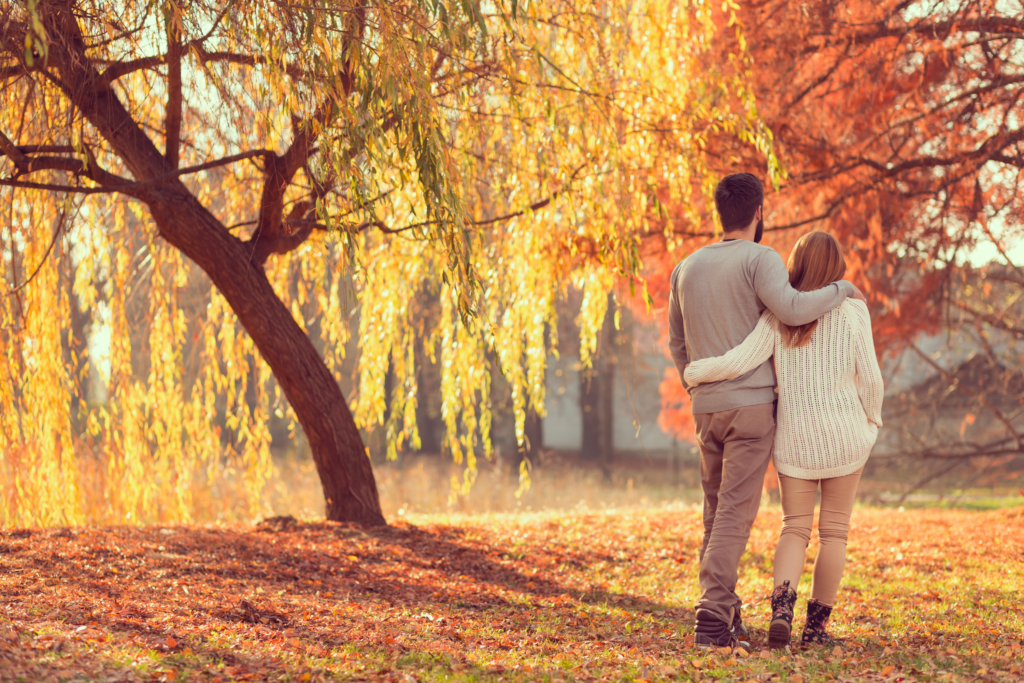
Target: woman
[830,405]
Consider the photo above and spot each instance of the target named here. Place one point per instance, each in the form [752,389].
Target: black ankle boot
[815,632]
[783,602]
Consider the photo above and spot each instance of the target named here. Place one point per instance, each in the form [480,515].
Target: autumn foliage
[899,129]
[259,201]
[928,595]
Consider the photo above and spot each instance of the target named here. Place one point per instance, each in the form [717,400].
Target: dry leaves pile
[929,595]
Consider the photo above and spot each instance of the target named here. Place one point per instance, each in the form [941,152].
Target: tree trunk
[426,422]
[533,430]
[597,398]
[346,475]
[337,447]
[590,397]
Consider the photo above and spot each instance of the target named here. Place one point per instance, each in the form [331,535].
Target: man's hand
[859,295]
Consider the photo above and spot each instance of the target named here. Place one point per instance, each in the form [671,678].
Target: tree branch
[942,30]
[46,255]
[43,149]
[986,150]
[8,72]
[1017,161]
[988,319]
[119,69]
[383,227]
[128,187]
[172,117]
[970,392]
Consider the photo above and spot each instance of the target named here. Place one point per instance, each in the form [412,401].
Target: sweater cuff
[846,287]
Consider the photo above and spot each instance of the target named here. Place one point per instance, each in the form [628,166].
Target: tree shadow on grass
[315,588]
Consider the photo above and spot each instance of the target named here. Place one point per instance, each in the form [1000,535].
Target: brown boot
[783,602]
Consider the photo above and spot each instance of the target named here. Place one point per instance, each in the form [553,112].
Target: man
[718,293]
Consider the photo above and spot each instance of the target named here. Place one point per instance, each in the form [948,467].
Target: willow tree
[465,160]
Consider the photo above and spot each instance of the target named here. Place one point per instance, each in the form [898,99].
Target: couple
[732,306]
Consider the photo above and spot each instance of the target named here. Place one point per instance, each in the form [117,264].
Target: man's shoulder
[739,252]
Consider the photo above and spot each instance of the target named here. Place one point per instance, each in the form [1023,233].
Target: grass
[929,595]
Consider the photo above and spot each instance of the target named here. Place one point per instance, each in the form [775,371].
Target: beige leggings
[798,498]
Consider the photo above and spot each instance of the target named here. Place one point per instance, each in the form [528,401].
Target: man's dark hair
[737,197]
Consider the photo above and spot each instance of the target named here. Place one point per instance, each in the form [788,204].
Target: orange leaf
[171,642]
[888,670]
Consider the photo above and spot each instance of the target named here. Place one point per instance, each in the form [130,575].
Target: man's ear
[759,214]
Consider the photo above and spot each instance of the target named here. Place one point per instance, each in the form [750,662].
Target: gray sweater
[718,294]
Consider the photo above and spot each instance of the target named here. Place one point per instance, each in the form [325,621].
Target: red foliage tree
[899,128]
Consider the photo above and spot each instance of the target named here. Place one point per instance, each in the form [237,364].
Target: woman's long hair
[817,260]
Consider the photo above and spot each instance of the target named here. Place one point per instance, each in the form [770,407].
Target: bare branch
[126,187]
[119,69]
[43,149]
[172,116]
[986,150]
[953,380]
[250,60]
[8,72]
[46,255]
[383,227]
[1017,161]
[992,320]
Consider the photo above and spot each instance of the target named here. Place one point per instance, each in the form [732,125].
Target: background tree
[328,167]
[899,126]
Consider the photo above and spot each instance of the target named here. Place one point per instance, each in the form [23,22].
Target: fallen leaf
[171,642]
[888,670]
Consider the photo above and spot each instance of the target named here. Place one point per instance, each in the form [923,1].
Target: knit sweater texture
[830,390]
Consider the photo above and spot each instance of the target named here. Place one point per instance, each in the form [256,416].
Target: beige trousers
[735,449]
[798,498]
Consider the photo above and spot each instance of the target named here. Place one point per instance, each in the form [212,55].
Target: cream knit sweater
[830,390]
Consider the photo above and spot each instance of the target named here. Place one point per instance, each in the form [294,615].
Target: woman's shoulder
[855,313]
[855,307]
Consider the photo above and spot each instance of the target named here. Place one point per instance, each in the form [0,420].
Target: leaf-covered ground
[928,595]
